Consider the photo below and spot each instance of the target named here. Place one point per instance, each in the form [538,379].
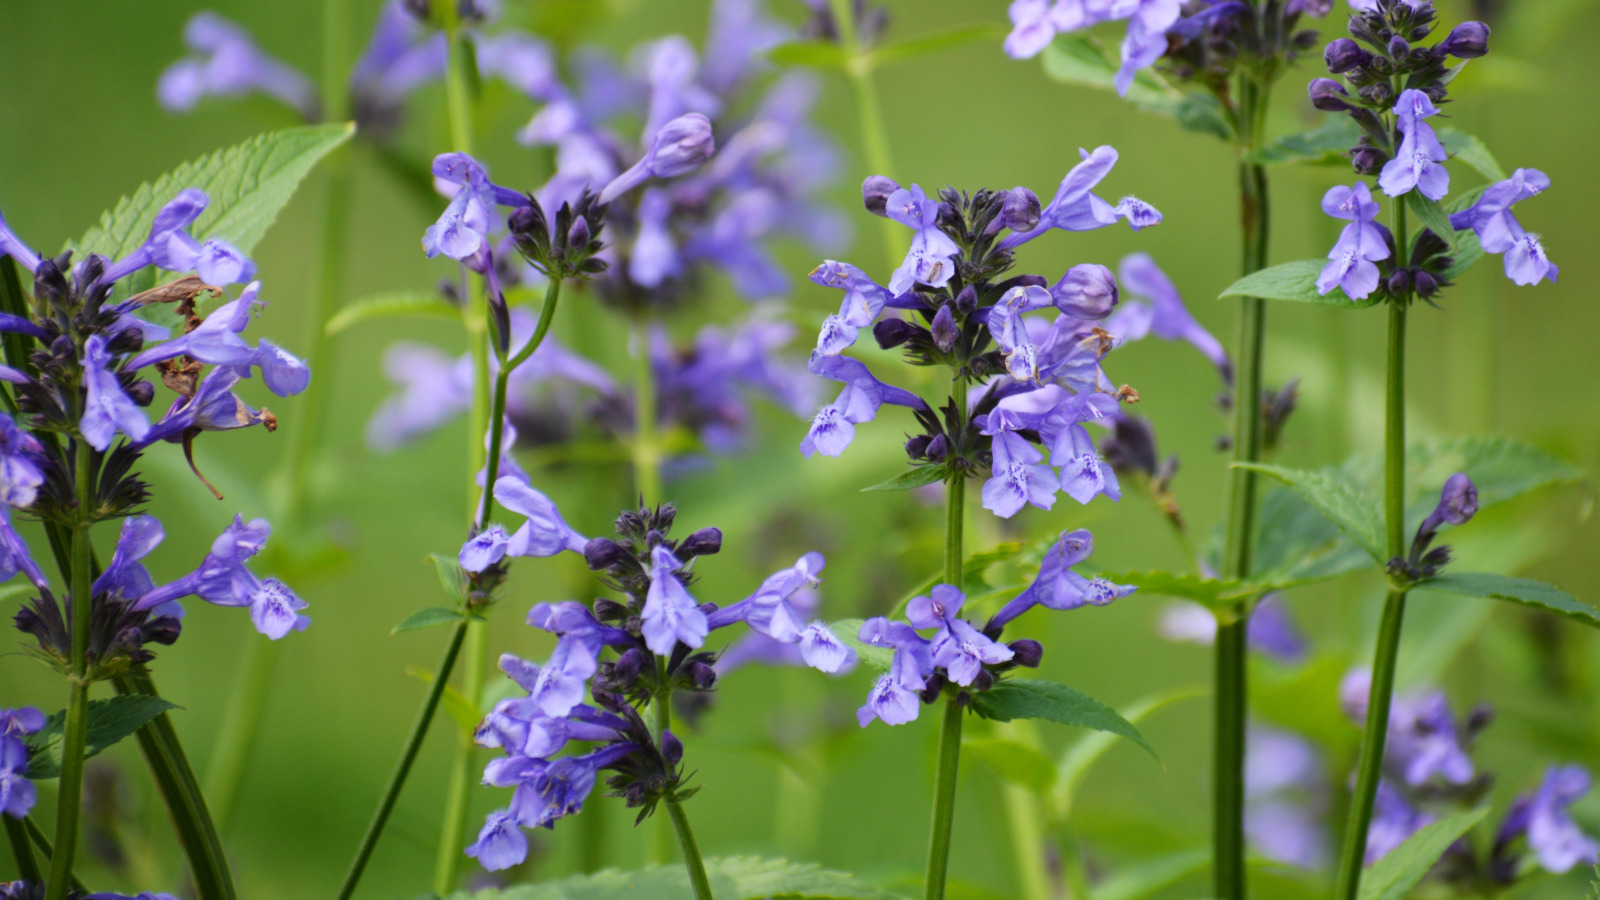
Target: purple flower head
[483,549]
[1417,164]
[1086,291]
[1146,40]
[1084,475]
[1272,631]
[171,247]
[834,427]
[500,844]
[681,145]
[864,300]
[1033,27]
[20,458]
[224,579]
[21,721]
[961,650]
[214,407]
[894,698]
[1283,798]
[1018,477]
[1075,207]
[14,555]
[1423,742]
[107,407]
[1499,231]
[400,57]
[217,342]
[17,793]
[768,611]
[1165,316]
[1394,820]
[670,615]
[225,62]
[545,533]
[1058,587]
[559,788]
[930,259]
[522,61]
[462,230]
[1555,839]
[740,35]
[1362,243]
[126,576]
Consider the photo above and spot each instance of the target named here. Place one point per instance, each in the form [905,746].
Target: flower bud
[875,193]
[933,687]
[628,666]
[1399,282]
[944,329]
[1343,55]
[938,448]
[1469,40]
[892,333]
[610,610]
[1087,291]
[1458,502]
[984,681]
[1329,95]
[671,748]
[705,542]
[949,219]
[141,392]
[1378,94]
[1022,210]
[917,447]
[1398,48]
[1426,285]
[578,234]
[1026,653]
[603,554]
[681,146]
[967,300]
[1368,160]
[701,675]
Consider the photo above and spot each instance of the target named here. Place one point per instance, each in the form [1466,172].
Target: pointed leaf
[451,577]
[873,655]
[1077,59]
[1214,593]
[247,183]
[110,720]
[1295,282]
[467,715]
[1024,698]
[1393,877]
[910,480]
[1327,144]
[1017,763]
[1474,152]
[812,54]
[1515,590]
[427,618]
[1433,216]
[732,878]
[1074,764]
[1342,503]
[388,306]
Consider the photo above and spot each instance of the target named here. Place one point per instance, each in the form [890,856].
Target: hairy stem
[69,800]
[185,802]
[391,793]
[1232,695]
[944,780]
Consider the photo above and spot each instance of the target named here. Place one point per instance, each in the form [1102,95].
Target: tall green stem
[869,116]
[646,440]
[69,800]
[21,849]
[1387,652]
[662,706]
[180,791]
[1232,694]
[944,778]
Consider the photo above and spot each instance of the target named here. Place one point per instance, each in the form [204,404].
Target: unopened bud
[891,333]
[1426,285]
[944,329]
[1343,55]
[1026,653]
[1087,291]
[603,554]
[967,300]
[1022,210]
[1458,502]
[705,542]
[1399,282]
[1469,40]
[671,748]
[875,193]
[1329,95]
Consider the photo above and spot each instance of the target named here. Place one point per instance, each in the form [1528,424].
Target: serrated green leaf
[1026,698]
[847,631]
[1079,59]
[732,878]
[427,618]
[910,480]
[1017,763]
[1393,877]
[1076,760]
[466,715]
[927,44]
[110,720]
[1515,590]
[248,184]
[1501,469]
[1474,152]
[1468,250]
[1295,282]
[451,577]
[811,54]
[1326,144]
[1432,216]
[388,306]
[1344,504]
[1214,593]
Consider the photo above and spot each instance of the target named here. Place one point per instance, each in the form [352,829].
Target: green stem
[1232,695]
[22,849]
[185,802]
[42,844]
[646,440]
[691,851]
[391,793]
[944,779]
[869,117]
[1387,652]
[447,859]
[69,799]
[241,722]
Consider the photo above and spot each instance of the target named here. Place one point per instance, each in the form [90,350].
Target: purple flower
[864,300]
[1284,790]
[17,793]
[929,261]
[20,456]
[224,579]
[217,342]
[679,147]
[1034,24]
[1165,316]
[1556,841]
[1499,231]
[1076,208]
[400,57]
[462,230]
[125,576]
[1362,243]
[107,407]
[1017,478]
[1271,632]
[1394,820]
[1084,475]
[834,427]
[894,697]
[14,555]
[1417,163]
[214,407]
[545,533]
[740,35]
[500,844]
[483,549]
[1058,587]
[1146,40]
[670,615]
[959,648]
[227,63]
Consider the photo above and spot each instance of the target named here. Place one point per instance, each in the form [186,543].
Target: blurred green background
[81,128]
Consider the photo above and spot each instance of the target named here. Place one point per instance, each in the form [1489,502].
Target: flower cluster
[655,634]
[970,659]
[1203,39]
[1041,380]
[1458,503]
[1400,85]
[16,791]
[84,385]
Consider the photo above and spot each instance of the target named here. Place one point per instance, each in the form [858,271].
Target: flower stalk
[948,766]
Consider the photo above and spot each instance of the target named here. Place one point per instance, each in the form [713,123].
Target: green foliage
[462,711]
[1213,593]
[1076,760]
[1079,59]
[1525,591]
[393,305]
[1469,149]
[1344,504]
[1024,698]
[810,54]
[429,617]
[1432,216]
[911,479]
[1015,762]
[110,720]
[873,655]
[977,589]
[1296,282]
[1393,877]
[929,44]
[1134,882]
[248,184]
[451,577]
[732,878]
[1325,145]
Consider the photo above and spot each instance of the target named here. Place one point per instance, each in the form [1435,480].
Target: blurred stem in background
[944,779]
[241,717]
[646,440]
[1232,698]
[1387,652]
[869,117]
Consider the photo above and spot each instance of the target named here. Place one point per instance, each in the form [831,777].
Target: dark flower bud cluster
[1212,39]
[567,247]
[1130,449]
[869,23]
[1458,503]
